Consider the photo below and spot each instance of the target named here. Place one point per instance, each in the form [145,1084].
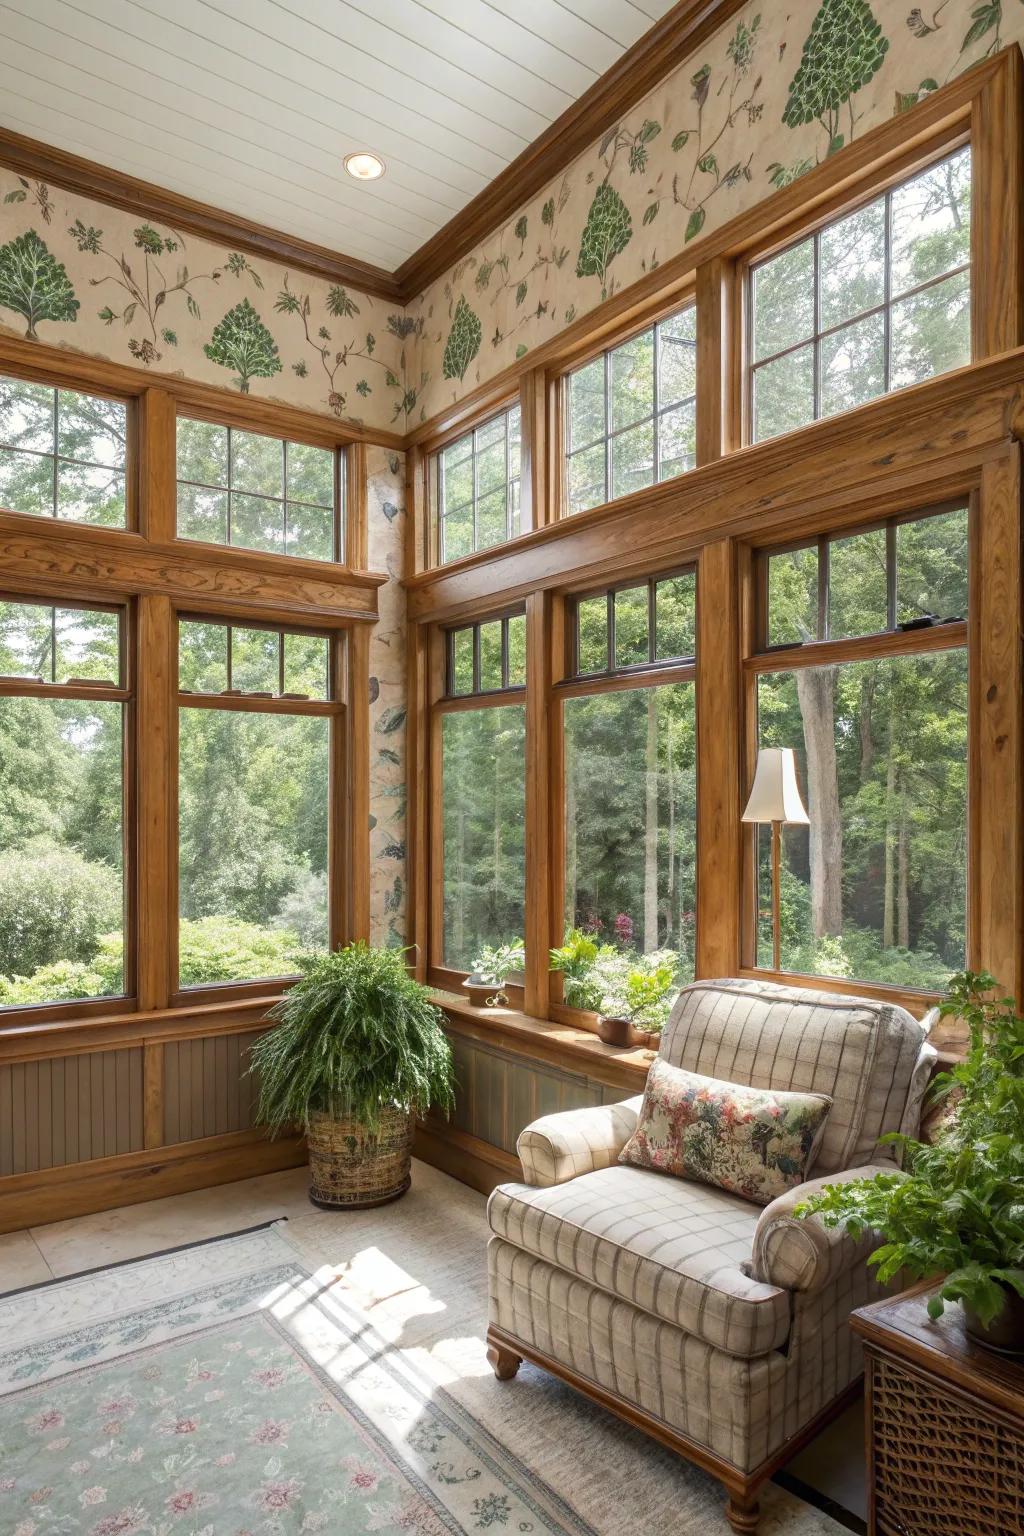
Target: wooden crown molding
[664,46]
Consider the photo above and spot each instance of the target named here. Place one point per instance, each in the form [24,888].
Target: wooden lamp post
[775,801]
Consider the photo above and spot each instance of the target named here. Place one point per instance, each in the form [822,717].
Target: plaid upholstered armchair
[719,1326]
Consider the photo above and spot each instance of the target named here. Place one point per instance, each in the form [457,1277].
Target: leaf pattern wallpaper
[385,514]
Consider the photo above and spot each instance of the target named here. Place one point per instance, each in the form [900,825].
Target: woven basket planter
[351,1168]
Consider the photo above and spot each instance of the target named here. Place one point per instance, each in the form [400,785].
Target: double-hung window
[476,484]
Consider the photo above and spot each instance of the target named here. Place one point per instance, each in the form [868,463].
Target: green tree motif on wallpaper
[34,284]
[241,341]
[606,234]
[463,342]
[843,51]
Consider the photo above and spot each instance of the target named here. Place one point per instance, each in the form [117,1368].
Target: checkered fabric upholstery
[670,1247]
[559,1147]
[802,1254]
[860,1052]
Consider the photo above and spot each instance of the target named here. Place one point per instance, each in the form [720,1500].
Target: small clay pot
[615,1030]
[481,992]
[1004,1333]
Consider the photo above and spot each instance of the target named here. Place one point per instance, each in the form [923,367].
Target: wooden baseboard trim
[466,1158]
[78,1189]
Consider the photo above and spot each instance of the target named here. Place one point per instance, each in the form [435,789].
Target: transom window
[258,492]
[635,626]
[873,302]
[231,659]
[631,414]
[478,480]
[487,657]
[62,453]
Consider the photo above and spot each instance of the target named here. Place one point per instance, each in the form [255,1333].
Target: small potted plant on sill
[498,976]
[635,1008]
[357,1053]
[958,1210]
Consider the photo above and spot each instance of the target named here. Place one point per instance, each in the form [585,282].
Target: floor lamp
[775,801]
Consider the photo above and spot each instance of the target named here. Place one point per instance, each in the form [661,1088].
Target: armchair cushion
[801,1253]
[559,1147]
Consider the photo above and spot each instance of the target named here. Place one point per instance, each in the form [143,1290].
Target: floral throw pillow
[754,1142]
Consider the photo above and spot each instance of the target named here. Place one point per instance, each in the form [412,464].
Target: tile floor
[832,1466]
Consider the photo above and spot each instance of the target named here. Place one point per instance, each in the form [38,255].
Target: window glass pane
[87,482]
[91,430]
[310,531]
[202,514]
[255,660]
[853,365]
[202,452]
[592,618]
[26,641]
[931,567]
[202,657]
[587,487]
[257,523]
[257,463]
[931,331]
[88,645]
[875,888]
[253,830]
[490,655]
[491,467]
[587,421]
[306,665]
[514,509]
[89,493]
[61,841]
[632,380]
[857,600]
[853,265]
[676,617]
[633,459]
[26,415]
[515,432]
[630,849]
[517,651]
[631,644]
[783,297]
[931,222]
[677,440]
[784,394]
[677,362]
[310,474]
[491,525]
[793,596]
[483,803]
[462,661]
[26,482]
[457,534]
[457,474]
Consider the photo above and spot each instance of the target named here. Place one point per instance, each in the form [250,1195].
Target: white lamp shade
[775,794]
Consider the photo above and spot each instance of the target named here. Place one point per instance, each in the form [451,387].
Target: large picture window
[477,480]
[255,721]
[63,695]
[629,733]
[864,674]
[631,414]
[258,492]
[874,301]
[62,453]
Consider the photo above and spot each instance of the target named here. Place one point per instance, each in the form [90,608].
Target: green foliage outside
[617,980]
[843,51]
[606,234]
[355,1035]
[957,1212]
[34,284]
[463,342]
[241,341]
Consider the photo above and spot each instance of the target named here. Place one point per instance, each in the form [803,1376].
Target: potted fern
[357,1052]
[958,1210]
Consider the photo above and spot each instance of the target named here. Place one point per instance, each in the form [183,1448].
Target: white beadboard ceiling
[251,105]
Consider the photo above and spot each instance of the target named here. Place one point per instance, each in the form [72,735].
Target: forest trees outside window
[62,453]
[482,725]
[256,715]
[63,693]
[477,487]
[872,302]
[631,416]
[629,732]
[258,492]
[863,670]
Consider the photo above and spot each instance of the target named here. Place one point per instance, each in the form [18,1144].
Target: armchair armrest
[801,1253]
[556,1148]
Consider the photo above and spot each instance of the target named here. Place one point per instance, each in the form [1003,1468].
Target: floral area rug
[222,1391]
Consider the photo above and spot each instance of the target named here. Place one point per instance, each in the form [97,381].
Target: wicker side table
[945,1425]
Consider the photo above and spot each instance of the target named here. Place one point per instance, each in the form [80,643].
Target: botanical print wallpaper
[385,475]
[78,274]
[775,91]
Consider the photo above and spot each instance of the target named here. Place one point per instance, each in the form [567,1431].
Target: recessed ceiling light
[364,166]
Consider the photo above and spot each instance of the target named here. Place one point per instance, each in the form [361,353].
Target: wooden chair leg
[743,1512]
[503,1362]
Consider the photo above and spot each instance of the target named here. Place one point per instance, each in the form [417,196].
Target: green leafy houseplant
[958,1209]
[357,1052]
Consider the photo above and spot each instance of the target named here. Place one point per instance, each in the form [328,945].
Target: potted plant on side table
[358,1051]
[958,1210]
